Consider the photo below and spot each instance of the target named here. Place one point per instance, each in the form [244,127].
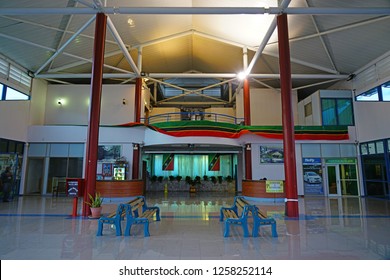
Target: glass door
[348,179]
[333,180]
[342,180]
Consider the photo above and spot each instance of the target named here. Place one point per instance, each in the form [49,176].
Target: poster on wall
[271,154]
[312,176]
[109,152]
[107,169]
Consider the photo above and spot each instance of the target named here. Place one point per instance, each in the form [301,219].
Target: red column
[136,152]
[248,162]
[94,110]
[247,103]
[137,100]
[247,121]
[287,118]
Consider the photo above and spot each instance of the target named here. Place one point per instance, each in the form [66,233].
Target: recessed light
[131,22]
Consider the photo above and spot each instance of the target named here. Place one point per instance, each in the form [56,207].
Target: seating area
[239,213]
[133,212]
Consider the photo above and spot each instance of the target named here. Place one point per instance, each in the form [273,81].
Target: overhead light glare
[131,22]
[242,75]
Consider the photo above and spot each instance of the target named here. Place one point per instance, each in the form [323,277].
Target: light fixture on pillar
[60,102]
[248,147]
[124,101]
[135,146]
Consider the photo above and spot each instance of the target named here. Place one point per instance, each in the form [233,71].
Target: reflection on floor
[351,228]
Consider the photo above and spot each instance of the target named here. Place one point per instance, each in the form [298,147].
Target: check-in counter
[263,188]
[125,188]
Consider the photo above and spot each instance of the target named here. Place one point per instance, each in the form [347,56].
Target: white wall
[38,101]
[275,171]
[154,118]
[14,119]
[266,107]
[371,120]
[75,107]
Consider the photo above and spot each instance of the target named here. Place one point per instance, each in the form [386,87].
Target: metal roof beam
[185,75]
[122,46]
[198,11]
[265,40]
[57,52]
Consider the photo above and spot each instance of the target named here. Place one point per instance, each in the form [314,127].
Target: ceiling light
[131,22]
[242,75]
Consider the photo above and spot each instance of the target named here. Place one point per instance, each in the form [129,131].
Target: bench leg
[227,229]
[158,218]
[255,229]
[100,229]
[274,232]
[128,228]
[146,229]
[118,227]
[245,228]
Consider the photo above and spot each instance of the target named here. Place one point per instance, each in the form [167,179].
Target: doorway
[342,180]
[34,176]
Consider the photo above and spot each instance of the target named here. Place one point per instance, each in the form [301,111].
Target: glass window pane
[344,112]
[75,168]
[364,149]
[371,95]
[386,91]
[375,168]
[12,94]
[379,147]
[371,148]
[1,91]
[328,111]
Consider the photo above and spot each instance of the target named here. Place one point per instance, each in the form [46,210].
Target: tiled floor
[33,227]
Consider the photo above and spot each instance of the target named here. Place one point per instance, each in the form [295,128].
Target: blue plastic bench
[140,213]
[112,219]
[236,215]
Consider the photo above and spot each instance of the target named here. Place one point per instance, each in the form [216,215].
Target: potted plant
[95,204]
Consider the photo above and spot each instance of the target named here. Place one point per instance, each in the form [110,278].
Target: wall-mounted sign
[274,186]
[340,161]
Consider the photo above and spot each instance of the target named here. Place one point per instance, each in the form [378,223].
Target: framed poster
[109,152]
[106,169]
[271,154]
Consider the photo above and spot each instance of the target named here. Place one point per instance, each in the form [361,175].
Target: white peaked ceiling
[190,44]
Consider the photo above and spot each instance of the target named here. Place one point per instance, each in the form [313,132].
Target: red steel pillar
[137,100]
[287,118]
[247,121]
[136,154]
[137,118]
[94,110]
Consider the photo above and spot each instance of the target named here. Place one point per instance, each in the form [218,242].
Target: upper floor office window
[337,111]
[379,93]
[8,93]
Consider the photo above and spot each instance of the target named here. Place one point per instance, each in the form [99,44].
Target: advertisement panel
[312,176]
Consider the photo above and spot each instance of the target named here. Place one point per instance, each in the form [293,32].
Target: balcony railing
[193,116]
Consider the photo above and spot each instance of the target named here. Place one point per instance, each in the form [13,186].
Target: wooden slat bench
[236,215]
[114,218]
[260,219]
[140,213]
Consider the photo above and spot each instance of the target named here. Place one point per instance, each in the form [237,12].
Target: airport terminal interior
[354,228]
[191,103]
